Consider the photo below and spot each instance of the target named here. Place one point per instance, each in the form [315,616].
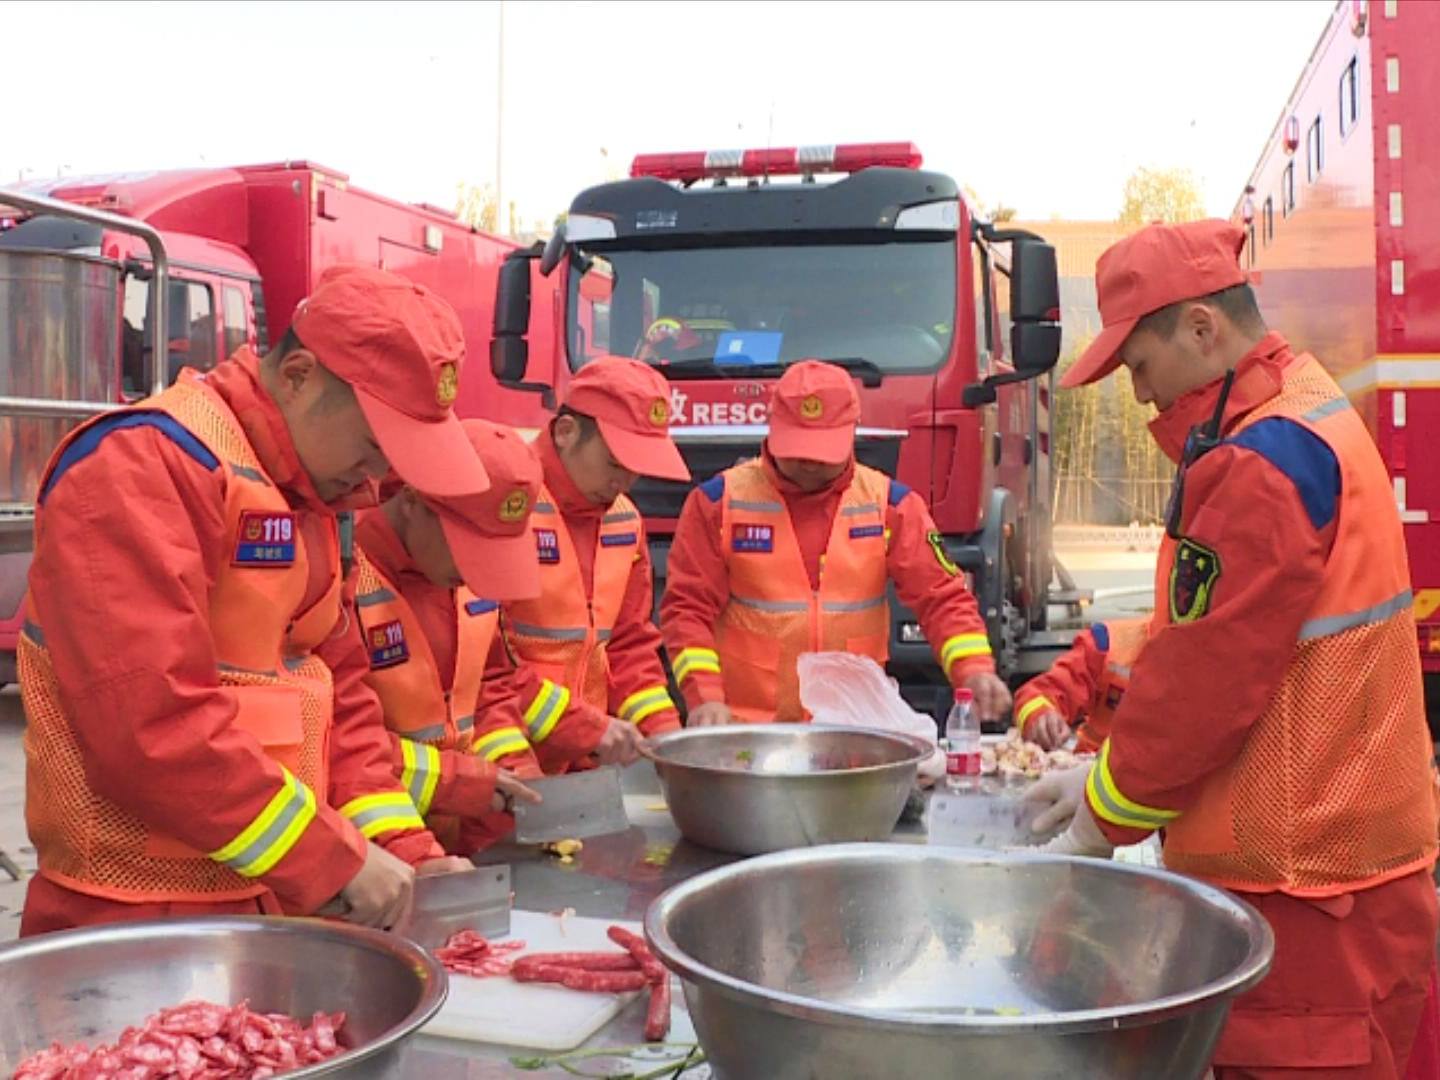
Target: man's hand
[1083,837]
[380,893]
[509,790]
[992,697]
[710,714]
[1048,729]
[449,864]
[1059,795]
[620,745]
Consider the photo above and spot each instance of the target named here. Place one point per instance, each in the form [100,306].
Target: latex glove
[1059,794]
[1048,729]
[710,714]
[379,895]
[1083,837]
[992,696]
[508,791]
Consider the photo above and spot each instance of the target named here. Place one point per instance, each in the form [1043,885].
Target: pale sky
[1045,106]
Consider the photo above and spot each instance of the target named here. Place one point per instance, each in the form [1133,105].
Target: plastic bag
[843,688]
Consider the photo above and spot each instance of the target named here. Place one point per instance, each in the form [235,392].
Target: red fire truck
[720,268]
[81,260]
[1344,249]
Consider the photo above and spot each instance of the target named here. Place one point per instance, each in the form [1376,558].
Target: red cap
[400,348]
[813,413]
[630,401]
[489,533]
[1151,269]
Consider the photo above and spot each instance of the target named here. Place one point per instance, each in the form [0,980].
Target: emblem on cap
[514,506]
[811,407]
[660,412]
[447,386]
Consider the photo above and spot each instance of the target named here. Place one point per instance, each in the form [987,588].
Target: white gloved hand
[1059,794]
[1083,837]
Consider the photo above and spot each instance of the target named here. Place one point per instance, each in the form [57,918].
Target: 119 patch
[387,645]
[265,538]
[1192,581]
[753,539]
[547,546]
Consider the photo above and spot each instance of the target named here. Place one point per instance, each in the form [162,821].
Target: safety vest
[263,650]
[1126,637]
[773,615]
[1332,790]
[419,708]
[562,633]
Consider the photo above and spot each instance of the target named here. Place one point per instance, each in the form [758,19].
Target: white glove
[1059,794]
[1083,837]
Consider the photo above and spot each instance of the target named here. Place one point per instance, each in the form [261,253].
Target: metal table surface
[613,877]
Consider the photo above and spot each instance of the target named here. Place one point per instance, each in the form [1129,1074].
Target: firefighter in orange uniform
[431,574]
[200,739]
[1274,725]
[1083,688]
[591,682]
[791,552]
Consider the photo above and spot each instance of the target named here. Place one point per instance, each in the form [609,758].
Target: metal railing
[159,362]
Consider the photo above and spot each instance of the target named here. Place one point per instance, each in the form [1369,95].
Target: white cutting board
[537,1016]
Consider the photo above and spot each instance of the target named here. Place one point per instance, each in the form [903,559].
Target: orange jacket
[134,655]
[698,585]
[430,680]
[565,715]
[1281,679]
[1087,683]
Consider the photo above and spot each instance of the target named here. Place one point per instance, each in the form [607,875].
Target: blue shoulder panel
[1302,456]
[480,607]
[898,491]
[88,440]
[714,488]
[1101,633]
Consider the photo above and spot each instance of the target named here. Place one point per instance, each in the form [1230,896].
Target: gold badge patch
[447,386]
[942,556]
[660,412]
[515,506]
[811,408]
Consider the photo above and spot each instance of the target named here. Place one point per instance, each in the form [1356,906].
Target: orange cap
[813,413]
[1151,269]
[630,401]
[489,533]
[400,347]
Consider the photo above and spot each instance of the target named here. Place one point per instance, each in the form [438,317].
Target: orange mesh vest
[773,615]
[562,633]
[1127,638]
[283,694]
[403,671]
[1332,790]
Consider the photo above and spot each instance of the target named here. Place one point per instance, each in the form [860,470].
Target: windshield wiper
[676,370]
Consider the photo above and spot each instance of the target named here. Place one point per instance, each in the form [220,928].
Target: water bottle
[962,744]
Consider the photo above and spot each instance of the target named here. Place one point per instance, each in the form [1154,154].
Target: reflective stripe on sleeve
[644,704]
[273,832]
[963,646]
[501,742]
[1030,708]
[545,711]
[388,811]
[1107,801]
[420,773]
[692,660]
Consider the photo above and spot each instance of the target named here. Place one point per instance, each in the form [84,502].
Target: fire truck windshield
[890,304]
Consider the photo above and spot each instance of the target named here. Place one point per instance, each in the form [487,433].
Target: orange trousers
[1347,993]
[50,907]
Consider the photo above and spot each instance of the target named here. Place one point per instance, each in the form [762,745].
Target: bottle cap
[963,696]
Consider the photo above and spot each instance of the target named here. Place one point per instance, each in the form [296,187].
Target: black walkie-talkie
[1202,439]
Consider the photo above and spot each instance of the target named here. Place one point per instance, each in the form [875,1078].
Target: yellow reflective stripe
[420,774]
[545,711]
[389,811]
[494,745]
[1031,707]
[1107,801]
[273,832]
[643,704]
[961,646]
[694,659]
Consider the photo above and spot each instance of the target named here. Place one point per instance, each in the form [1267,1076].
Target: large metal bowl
[753,788]
[869,960]
[89,985]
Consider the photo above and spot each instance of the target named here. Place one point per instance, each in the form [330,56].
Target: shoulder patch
[89,440]
[714,488]
[480,607]
[1101,633]
[898,491]
[942,554]
[1192,581]
[1302,456]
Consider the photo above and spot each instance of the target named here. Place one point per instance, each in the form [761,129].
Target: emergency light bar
[777,161]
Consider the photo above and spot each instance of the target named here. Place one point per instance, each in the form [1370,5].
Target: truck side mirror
[1034,307]
[509,349]
[509,359]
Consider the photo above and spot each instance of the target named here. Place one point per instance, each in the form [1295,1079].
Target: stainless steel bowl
[752,788]
[870,960]
[89,985]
